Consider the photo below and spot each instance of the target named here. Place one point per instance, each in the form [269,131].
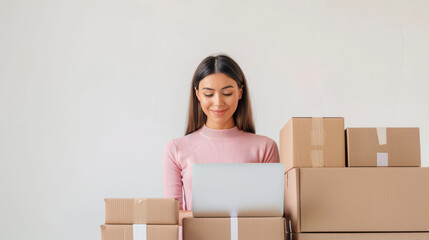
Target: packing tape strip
[139,231]
[234,228]
[140,216]
[382,136]
[382,159]
[317,141]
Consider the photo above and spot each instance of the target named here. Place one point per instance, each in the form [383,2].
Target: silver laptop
[237,189]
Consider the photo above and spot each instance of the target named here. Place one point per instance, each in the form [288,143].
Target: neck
[227,125]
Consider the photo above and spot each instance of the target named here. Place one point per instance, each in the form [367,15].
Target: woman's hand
[184,214]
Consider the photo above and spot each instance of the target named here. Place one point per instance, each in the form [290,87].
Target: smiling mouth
[219,112]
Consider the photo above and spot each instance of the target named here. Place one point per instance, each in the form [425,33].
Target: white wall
[90,91]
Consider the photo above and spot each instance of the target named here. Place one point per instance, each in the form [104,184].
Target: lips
[219,112]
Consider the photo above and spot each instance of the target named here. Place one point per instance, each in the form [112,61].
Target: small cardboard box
[357,199]
[372,147]
[155,211]
[313,142]
[139,231]
[234,228]
[361,236]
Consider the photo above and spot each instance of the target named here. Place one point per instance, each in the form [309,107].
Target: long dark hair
[243,117]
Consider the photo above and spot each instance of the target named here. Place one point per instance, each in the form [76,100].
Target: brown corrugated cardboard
[220,228]
[361,236]
[153,232]
[371,147]
[357,199]
[156,211]
[313,142]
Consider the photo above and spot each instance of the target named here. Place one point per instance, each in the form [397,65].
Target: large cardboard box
[234,228]
[155,211]
[313,142]
[361,236]
[371,147]
[139,231]
[357,199]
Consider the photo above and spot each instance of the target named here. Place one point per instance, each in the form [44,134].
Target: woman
[220,128]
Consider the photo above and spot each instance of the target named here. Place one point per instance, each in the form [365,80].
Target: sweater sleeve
[172,173]
[271,152]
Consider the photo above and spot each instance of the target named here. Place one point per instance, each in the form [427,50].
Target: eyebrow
[229,86]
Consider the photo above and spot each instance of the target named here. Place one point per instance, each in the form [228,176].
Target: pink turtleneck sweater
[208,145]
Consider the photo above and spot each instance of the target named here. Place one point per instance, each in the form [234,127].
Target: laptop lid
[237,189]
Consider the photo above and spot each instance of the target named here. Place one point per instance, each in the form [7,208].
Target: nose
[218,100]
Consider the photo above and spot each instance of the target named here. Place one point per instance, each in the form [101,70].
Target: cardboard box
[155,211]
[357,199]
[372,147]
[150,232]
[313,142]
[361,236]
[233,228]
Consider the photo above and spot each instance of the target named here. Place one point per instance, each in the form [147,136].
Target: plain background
[91,91]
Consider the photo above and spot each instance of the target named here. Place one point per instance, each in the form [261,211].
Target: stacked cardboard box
[233,228]
[382,147]
[141,218]
[323,201]
[244,228]
[357,199]
[312,142]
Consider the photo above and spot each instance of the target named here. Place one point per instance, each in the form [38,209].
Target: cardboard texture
[361,236]
[313,142]
[155,211]
[153,232]
[357,199]
[371,147]
[220,228]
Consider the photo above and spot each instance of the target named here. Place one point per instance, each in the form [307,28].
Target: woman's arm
[272,152]
[172,173]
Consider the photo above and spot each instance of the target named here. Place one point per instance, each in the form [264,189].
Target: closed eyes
[211,95]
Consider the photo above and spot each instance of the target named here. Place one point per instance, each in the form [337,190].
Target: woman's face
[218,95]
